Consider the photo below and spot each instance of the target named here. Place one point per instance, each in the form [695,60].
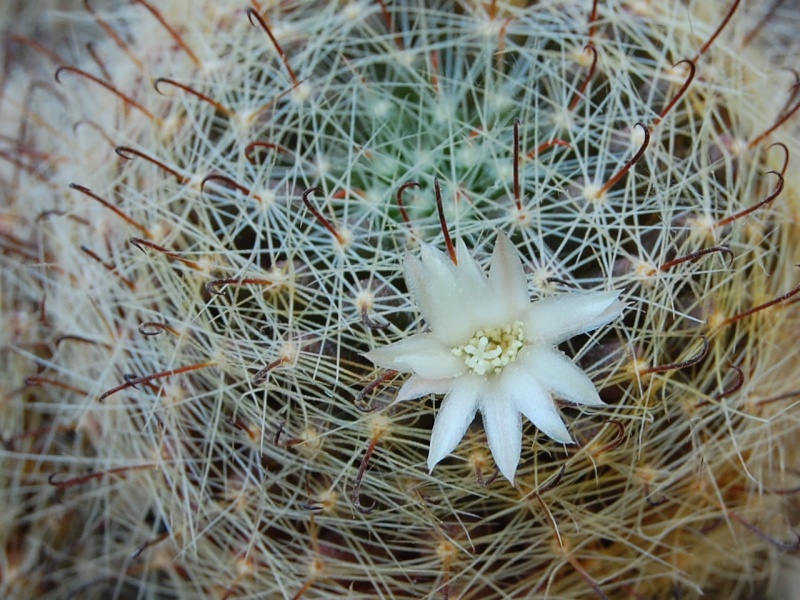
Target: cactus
[206,213]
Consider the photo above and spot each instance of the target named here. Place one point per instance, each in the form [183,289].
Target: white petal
[418,280]
[455,415]
[477,299]
[416,386]
[557,318]
[533,401]
[559,375]
[422,354]
[507,277]
[440,295]
[503,427]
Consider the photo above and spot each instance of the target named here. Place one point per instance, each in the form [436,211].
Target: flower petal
[468,272]
[558,374]
[455,415]
[477,299]
[503,427]
[418,280]
[416,386]
[507,278]
[422,354]
[440,294]
[532,400]
[557,318]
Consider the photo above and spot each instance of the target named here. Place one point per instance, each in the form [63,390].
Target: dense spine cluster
[202,231]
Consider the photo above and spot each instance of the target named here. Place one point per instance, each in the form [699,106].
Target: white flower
[491,349]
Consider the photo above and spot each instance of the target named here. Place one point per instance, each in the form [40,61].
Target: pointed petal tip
[507,471]
[461,250]
[381,357]
[502,240]
[594,400]
[611,297]
[616,306]
[613,311]
[368,355]
[558,433]
[509,475]
[562,439]
[432,257]
[505,464]
[437,455]
[416,387]
[503,246]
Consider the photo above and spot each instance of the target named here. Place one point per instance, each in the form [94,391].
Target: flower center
[491,349]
